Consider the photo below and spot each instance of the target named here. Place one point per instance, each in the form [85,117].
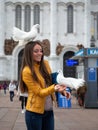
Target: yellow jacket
[36,91]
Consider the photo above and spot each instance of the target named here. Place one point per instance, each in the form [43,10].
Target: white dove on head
[25,36]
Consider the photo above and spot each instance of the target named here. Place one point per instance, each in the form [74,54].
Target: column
[65,11]
[93,16]
[53,28]
[2,26]
[13,15]
[32,16]
[23,19]
[74,19]
[95,26]
[87,23]
[41,21]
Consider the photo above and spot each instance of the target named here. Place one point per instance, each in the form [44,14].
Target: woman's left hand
[60,88]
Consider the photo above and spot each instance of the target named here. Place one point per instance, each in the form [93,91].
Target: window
[36,14]
[70,19]
[18,16]
[27,18]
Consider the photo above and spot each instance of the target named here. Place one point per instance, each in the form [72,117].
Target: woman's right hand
[66,94]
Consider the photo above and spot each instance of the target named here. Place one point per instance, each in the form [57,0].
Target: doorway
[68,71]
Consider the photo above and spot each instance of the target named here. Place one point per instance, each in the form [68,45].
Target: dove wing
[30,35]
[18,34]
[70,82]
[76,82]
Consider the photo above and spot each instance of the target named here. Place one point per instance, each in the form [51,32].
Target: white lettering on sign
[91,69]
[93,52]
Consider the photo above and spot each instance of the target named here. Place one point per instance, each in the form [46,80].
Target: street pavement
[74,118]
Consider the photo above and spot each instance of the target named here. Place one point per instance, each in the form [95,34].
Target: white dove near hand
[69,81]
[25,36]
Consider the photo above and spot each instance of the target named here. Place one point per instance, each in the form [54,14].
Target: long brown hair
[28,61]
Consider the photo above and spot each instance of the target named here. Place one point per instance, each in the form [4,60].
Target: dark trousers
[11,95]
[4,90]
[35,121]
[23,101]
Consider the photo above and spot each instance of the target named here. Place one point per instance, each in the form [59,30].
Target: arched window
[70,19]
[27,18]
[36,14]
[18,16]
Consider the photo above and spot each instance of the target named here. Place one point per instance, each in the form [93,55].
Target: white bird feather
[69,81]
[25,36]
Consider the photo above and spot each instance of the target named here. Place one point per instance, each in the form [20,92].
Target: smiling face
[37,53]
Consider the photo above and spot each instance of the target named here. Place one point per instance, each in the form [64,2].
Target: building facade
[67,25]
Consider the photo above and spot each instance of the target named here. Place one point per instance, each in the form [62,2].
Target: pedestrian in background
[5,86]
[23,99]
[12,88]
[0,87]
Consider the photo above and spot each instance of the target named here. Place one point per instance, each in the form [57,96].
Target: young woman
[35,78]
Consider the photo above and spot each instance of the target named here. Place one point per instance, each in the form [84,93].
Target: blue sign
[72,62]
[92,51]
[79,53]
[91,74]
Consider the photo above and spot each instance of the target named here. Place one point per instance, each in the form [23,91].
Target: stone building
[65,27]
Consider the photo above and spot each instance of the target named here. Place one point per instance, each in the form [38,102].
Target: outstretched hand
[60,88]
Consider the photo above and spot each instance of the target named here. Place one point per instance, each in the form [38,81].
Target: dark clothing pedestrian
[12,87]
[5,87]
[23,100]
[11,95]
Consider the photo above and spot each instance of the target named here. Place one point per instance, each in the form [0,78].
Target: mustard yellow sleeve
[33,86]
